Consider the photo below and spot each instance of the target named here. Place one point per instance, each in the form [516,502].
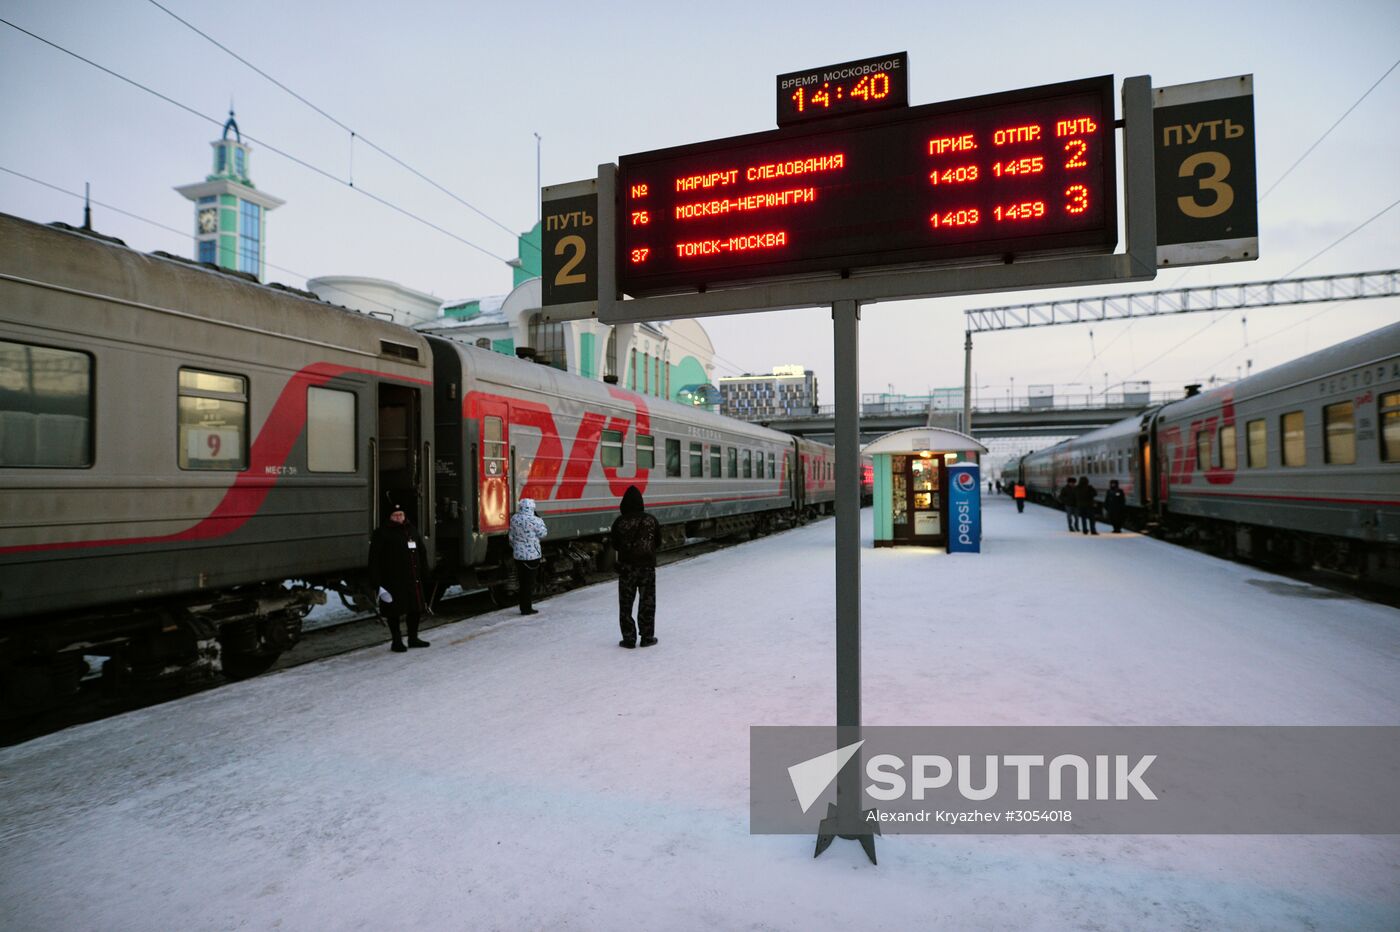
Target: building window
[646,373]
[715,472]
[213,420]
[1339,434]
[673,457]
[632,370]
[1257,456]
[547,340]
[612,448]
[493,448]
[697,461]
[733,470]
[646,451]
[1294,449]
[209,251]
[1390,427]
[610,355]
[330,430]
[1227,446]
[238,164]
[45,407]
[249,237]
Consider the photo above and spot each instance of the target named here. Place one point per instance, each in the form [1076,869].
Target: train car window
[1227,446]
[330,430]
[733,463]
[1257,444]
[646,451]
[748,464]
[1203,445]
[1294,450]
[612,448]
[673,457]
[213,420]
[772,466]
[715,470]
[1339,433]
[1390,427]
[697,460]
[493,448]
[45,407]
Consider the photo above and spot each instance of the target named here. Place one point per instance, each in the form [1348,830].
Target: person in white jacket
[526,532]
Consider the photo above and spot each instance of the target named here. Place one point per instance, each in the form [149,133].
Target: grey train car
[509,429]
[176,443]
[1297,465]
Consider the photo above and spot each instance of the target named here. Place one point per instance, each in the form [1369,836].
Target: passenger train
[190,460]
[1298,465]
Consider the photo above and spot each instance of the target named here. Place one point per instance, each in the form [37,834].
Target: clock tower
[230,215]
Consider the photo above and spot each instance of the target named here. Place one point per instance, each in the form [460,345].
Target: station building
[790,390]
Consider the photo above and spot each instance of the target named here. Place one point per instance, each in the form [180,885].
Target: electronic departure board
[1005,175]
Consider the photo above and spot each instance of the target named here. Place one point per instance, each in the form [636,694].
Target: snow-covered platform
[528,773]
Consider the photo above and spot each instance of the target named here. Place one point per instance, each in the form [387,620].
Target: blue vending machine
[964,508]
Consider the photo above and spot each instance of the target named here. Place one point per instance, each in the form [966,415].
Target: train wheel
[242,666]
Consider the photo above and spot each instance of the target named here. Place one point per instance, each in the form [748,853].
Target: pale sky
[458,89]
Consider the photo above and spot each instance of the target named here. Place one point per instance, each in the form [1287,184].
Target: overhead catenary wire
[266,145]
[353,134]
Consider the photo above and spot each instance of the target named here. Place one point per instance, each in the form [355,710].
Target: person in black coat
[1114,504]
[636,536]
[1069,499]
[398,573]
[1085,494]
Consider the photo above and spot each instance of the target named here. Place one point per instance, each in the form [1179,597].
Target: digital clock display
[1005,175]
[864,86]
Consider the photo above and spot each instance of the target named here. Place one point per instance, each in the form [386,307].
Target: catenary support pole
[967,385]
[846,817]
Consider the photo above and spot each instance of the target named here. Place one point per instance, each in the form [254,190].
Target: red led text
[1005,137]
[963,143]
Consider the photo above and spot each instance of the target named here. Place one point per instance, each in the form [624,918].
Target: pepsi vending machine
[964,508]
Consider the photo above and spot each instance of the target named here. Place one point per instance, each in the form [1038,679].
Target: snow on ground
[531,774]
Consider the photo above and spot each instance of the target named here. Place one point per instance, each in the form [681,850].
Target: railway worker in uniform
[1114,503]
[526,531]
[636,536]
[1019,493]
[398,569]
[1084,494]
[1069,498]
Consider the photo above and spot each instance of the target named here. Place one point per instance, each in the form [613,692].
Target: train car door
[494,498]
[399,471]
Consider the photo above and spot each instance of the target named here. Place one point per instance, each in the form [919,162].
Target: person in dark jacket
[1084,495]
[398,572]
[636,536]
[1070,500]
[1114,504]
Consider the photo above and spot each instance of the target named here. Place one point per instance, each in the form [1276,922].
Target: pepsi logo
[965,482]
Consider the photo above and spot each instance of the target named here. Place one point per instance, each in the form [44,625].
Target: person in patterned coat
[526,532]
[636,536]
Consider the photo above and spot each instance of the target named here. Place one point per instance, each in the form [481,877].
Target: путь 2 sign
[1024,172]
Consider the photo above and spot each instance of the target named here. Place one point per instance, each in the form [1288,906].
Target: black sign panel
[570,244]
[864,86]
[1029,171]
[1207,189]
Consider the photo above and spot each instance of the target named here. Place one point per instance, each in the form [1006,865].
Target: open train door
[399,469]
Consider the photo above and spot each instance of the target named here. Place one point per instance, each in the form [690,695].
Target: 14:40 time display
[870,88]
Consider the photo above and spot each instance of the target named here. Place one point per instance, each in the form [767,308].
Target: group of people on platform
[398,568]
[1078,498]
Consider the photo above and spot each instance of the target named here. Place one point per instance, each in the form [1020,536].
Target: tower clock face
[208,220]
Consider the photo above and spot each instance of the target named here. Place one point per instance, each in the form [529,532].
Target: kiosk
[911,484]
